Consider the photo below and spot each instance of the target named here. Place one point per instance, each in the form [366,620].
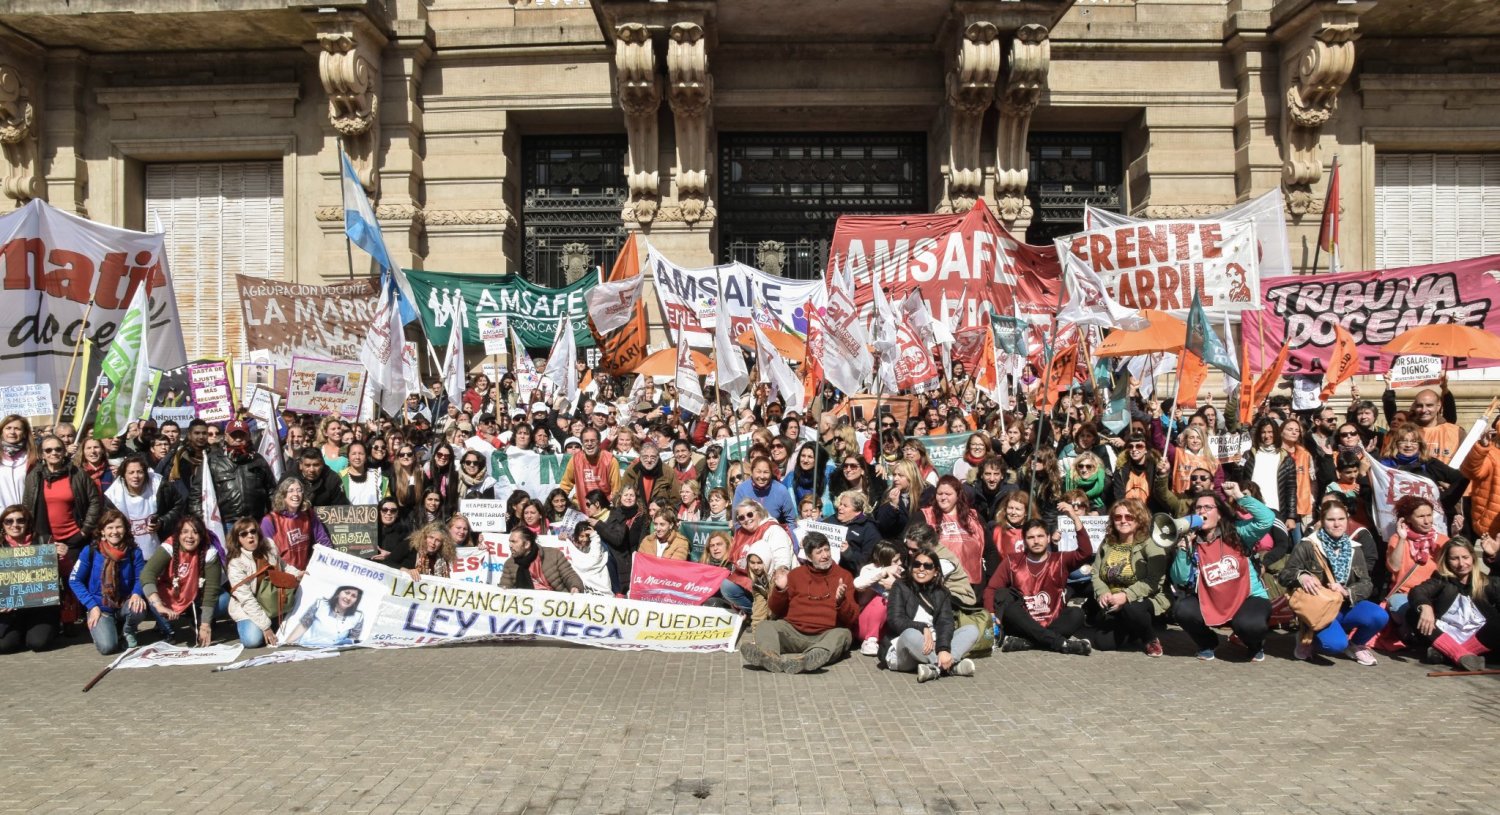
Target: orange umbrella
[664,363]
[1163,333]
[1445,340]
[791,346]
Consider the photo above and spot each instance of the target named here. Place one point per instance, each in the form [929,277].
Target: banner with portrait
[325,387]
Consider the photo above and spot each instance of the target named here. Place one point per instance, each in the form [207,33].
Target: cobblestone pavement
[545,728]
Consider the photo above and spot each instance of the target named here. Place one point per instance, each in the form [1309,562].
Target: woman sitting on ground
[1411,555]
[872,589]
[1217,580]
[1330,558]
[665,541]
[32,628]
[293,526]
[256,603]
[1456,612]
[107,581]
[921,623]
[589,558]
[432,552]
[1129,572]
[183,576]
[390,533]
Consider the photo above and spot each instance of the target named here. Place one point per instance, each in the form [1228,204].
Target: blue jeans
[106,632]
[1366,616]
[906,651]
[250,634]
[736,595]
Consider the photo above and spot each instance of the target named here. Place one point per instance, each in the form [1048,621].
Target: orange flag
[1342,363]
[1191,372]
[812,368]
[625,348]
[1059,377]
[1252,397]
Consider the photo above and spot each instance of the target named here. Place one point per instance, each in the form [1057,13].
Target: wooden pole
[78,346]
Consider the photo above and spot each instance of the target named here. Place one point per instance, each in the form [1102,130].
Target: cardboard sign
[353,530]
[262,404]
[493,332]
[1095,525]
[1229,446]
[325,387]
[208,389]
[484,515]
[28,577]
[27,400]
[1416,370]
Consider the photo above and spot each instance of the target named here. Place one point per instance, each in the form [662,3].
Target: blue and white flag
[362,228]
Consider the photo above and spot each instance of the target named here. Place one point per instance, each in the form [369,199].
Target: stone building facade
[532,136]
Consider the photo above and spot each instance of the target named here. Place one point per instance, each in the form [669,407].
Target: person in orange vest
[1435,413]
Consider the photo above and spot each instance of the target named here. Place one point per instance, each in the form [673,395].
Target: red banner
[1301,312]
[680,582]
[960,262]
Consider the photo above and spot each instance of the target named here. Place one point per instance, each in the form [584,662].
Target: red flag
[1328,230]
[812,368]
[1341,364]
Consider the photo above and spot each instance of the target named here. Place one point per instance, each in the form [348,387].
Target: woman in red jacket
[960,529]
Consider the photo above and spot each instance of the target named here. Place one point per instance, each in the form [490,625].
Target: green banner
[945,451]
[533,311]
[528,469]
[697,533]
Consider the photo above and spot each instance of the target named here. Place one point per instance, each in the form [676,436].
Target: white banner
[1267,211]
[345,600]
[55,264]
[484,514]
[1162,264]
[1391,485]
[163,653]
[690,298]
[278,658]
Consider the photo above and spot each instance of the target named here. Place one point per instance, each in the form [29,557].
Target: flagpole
[348,244]
[1318,244]
[78,346]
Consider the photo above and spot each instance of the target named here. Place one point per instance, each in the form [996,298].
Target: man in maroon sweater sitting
[814,607]
[1029,594]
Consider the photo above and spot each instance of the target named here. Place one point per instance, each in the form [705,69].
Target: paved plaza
[546,728]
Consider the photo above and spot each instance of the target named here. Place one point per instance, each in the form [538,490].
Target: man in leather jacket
[243,481]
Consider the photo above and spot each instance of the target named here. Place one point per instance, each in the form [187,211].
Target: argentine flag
[362,228]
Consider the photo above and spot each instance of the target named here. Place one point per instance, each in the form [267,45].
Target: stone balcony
[105,26]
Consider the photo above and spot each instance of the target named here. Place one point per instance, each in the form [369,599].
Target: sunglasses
[1199,478]
[405,454]
[15,522]
[388,510]
[1086,468]
[1130,518]
[1137,446]
[472,463]
[1077,504]
[52,449]
[1348,433]
[851,466]
[745,516]
[924,565]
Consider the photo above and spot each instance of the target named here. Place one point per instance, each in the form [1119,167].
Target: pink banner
[1373,306]
[679,582]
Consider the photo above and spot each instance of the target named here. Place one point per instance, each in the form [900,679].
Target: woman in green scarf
[1087,474]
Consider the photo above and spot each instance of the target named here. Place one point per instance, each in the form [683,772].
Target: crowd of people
[932,570]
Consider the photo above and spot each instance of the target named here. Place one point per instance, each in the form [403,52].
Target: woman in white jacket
[254,568]
[134,493]
[589,557]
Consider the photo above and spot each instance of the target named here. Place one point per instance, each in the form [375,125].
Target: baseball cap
[518,412]
[538,407]
[572,440]
[236,427]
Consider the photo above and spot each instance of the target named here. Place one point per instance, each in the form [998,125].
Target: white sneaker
[870,647]
[927,672]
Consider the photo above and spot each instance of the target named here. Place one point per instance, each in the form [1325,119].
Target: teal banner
[533,311]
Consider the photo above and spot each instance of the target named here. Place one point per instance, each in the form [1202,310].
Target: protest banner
[325,387]
[698,533]
[477,564]
[676,582]
[1389,485]
[690,299]
[69,412]
[208,390]
[180,415]
[253,374]
[862,407]
[1164,264]
[960,262]
[837,535]
[1415,371]
[945,450]
[1373,306]
[531,311]
[352,529]
[59,267]
[28,577]
[284,320]
[537,473]
[28,400]
[278,658]
[165,653]
[484,514]
[734,447]
[383,607]
[1229,446]
[1095,525]
[494,330]
[1266,211]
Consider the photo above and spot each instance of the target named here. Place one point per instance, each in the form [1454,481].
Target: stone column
[640,97]
[402,194]
[1315,66]
[1030,53]
[20,126]
[349,66]
[690,92]
[65,172]
[971,91]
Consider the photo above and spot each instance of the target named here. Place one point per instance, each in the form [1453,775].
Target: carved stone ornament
[1311,101]
[18,137]
[349,67]
[971,91]
[690,91]
[770,257]
[1030,55]
[576,260]
[430,217]
[640,97]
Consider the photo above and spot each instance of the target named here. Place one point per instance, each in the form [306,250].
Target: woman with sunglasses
[851,473]
[474,480]
[1087,475]
[255,601]
[1130,570]
[1406,450]
[391,531]
[757,534]
[442,476]
[107,581]
[408,482]
[65,506]
[379,457]
[1217,581]
[1136,474]
[921,624]
[32,628]
[185,575]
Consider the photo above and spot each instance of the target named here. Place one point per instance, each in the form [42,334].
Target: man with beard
[590,469]
[652,480]
[242,479]
[1029,594]
[813,606]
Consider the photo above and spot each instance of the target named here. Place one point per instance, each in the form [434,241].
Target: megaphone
[1166,530]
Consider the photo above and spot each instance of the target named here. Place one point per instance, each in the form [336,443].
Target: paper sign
[1229,446]
[262,404]
[1095,525]
[254,374]
[325,387]
[1305,390]
[484,515]
[352,529]
[1415,370]
[837,535]
[26,400]
[494,330]
[208,388]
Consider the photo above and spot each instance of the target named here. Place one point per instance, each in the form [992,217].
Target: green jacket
[1149,562]
[1250,531]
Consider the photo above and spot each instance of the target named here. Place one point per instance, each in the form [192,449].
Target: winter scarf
[177,591]
[110,583]
[1340,554]
[523,567]
[1093,486]
[1421,546]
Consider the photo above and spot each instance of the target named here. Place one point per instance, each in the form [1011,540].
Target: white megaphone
[1166,530]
